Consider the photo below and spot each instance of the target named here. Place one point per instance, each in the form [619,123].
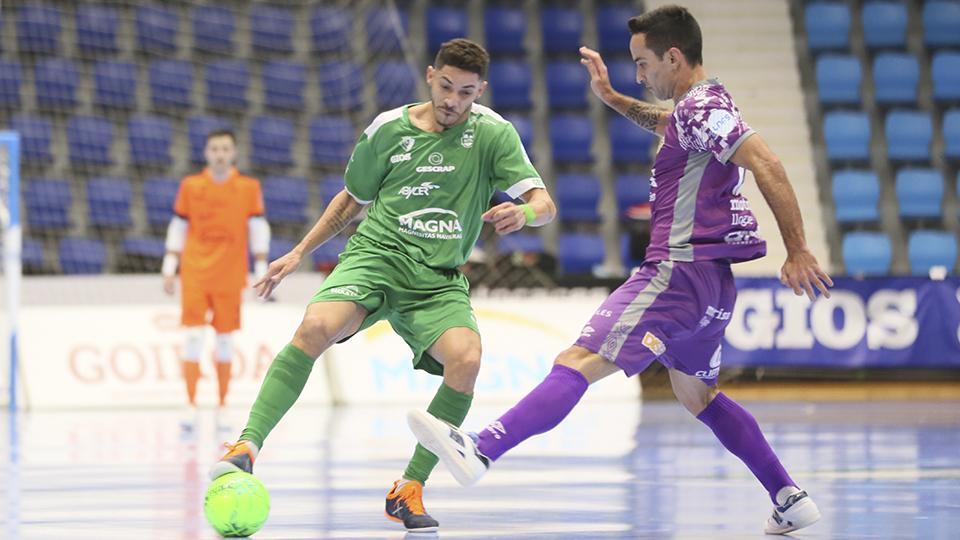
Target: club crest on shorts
[653,343]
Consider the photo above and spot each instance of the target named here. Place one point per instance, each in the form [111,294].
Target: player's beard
[439,116]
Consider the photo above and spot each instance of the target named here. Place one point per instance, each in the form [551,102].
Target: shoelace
[234,449]
[413,497]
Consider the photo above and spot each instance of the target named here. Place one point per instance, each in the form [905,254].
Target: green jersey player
[427,173]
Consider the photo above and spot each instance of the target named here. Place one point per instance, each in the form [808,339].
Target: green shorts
[418,301]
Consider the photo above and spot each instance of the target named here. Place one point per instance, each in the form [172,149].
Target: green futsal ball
[236,504]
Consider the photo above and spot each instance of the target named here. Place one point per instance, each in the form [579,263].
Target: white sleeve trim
[383,119]
[259,233]
[176,234]
[523,186]
[358,199]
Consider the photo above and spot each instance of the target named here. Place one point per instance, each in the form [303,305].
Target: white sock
[253,446]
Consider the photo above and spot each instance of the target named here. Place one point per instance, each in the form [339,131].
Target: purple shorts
[668,311]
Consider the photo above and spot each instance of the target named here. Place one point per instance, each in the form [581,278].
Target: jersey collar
[230,176]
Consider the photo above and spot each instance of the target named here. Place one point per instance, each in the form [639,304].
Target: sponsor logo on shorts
[400,158]
[346,290]
[587,331]
[712,374]
[407,142]
[436,164]
[653,343]
[417,191]
[714,313]
[714,366]
[604,313]
[438,223]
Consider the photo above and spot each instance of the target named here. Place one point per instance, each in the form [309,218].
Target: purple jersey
[697,211]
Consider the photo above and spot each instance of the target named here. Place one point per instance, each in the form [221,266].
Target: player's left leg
[613,340]
[739,433]
[223,358]
[469,455]
[458,351]
[226,320]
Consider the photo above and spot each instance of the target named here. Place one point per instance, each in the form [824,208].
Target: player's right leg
[194,303]
[469,455]
[324,324]
[190,366]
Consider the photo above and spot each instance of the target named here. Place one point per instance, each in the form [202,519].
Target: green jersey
[428,190]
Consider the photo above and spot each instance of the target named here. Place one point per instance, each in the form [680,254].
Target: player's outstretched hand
[802,273]
[169,284]
[599,78]
[505,217]
[277,270]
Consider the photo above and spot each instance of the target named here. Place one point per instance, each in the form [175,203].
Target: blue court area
[878,470]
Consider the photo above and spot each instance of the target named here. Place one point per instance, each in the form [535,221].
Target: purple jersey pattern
[697,211]
[671,312]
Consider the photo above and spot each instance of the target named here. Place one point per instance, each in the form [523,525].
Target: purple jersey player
[675,308]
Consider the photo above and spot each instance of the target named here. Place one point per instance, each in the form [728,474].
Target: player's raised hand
[169,284]
[277,270]
[802,273]
[505,218]
[599,78]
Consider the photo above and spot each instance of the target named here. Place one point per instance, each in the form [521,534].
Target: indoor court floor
[878,470]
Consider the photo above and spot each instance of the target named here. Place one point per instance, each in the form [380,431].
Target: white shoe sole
[802,514]
[221,468]
[433,434]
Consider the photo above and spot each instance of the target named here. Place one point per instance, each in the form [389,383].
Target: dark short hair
[667,27]
[222,133]
[464,54]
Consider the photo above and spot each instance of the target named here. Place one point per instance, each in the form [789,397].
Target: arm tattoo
[340,220]
[644,115]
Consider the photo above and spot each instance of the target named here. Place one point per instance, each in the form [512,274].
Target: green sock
[285,379]
[450,406]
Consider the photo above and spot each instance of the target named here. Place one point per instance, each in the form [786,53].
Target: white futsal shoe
[189,419]
[796,512]
[454,446]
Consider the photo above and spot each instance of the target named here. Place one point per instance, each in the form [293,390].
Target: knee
[467,359]
[193,343]
[696,402]
[573,357]
[315,334]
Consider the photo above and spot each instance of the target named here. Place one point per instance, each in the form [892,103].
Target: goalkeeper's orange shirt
[215,254]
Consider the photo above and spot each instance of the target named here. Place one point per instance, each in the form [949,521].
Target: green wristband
[528,213]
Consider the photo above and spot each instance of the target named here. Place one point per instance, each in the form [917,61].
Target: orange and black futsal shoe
[405,505]
[239,458]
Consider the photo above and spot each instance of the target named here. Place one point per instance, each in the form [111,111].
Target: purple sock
[737,429]
[538,412]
